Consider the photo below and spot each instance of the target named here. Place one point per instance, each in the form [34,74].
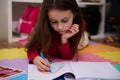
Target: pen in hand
[42,55]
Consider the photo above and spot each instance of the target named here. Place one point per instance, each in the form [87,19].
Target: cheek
[54,27]
[69,24]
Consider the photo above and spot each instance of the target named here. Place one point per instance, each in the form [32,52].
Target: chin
[62,33]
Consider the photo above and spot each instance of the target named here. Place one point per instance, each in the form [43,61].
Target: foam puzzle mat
[100,52]
[95,52]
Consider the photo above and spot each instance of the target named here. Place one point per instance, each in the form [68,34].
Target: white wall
[3,20]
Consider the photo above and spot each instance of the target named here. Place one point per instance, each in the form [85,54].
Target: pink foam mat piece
[86,57]
[94,58]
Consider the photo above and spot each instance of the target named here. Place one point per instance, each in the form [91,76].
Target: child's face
[60,20]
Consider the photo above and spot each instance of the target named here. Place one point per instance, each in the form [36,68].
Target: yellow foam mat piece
[113,55]
[12,53]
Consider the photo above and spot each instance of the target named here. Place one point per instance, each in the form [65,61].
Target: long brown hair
[41,37]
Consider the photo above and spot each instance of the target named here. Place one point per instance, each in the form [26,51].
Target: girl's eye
[53,22]
[65,20]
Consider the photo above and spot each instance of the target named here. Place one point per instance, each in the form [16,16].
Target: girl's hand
[42,65]
[72,31]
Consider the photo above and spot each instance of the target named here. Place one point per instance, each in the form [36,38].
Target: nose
[59,26]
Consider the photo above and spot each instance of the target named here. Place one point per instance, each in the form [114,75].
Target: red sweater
[56,49]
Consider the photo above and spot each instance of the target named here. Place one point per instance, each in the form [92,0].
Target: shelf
[16,39]
[40,1]
[14,8]
[28,1]
[101,36]
[89,3]
[98,36]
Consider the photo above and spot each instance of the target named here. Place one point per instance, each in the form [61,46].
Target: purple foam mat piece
[93,42]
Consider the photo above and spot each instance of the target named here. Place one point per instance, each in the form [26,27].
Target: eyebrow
[62,19]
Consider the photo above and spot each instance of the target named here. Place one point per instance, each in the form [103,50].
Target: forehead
[57,14]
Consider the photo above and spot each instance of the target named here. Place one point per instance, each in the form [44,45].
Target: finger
[71,30]
[39,68]
[44,61]
[75,26]
[43,67]
[76,30]
[42,70]
[48,63]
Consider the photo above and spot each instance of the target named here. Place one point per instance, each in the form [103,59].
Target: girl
[58,32]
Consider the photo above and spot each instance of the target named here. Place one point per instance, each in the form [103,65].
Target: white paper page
[103,70]
[57,65]
[34,74]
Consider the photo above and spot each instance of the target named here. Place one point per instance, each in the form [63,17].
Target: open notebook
[81,71]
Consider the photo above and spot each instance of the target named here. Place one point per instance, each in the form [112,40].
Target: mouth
[62,32]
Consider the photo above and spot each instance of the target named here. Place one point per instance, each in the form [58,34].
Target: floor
[5,44]
[115,43]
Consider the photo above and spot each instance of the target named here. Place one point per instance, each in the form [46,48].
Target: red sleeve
[32,55]
[65,51]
